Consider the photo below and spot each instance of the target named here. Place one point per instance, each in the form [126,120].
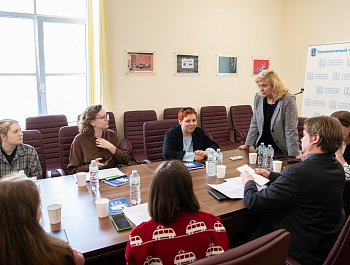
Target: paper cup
[252,158]
[221,170]
[277,166]
[81,178]
[54,211]
[102,207]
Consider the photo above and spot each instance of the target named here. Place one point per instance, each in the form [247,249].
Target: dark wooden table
[97,238]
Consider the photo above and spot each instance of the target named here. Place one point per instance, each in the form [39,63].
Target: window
[43,66]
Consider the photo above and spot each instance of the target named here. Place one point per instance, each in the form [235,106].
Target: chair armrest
[127,145]
[290,261]
[242,134]
[209,135]
[61,171]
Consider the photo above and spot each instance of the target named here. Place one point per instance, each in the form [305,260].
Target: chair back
[153,137]
[301,126]
[240,118]
[66,137]
[111,122]
[48,126]
[171,113]
[270,249]
[214,121]
[340,253]
[33,138]
[133,130]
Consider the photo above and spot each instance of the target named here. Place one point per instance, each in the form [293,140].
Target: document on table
[260,180]
[233,188]
[137,213]
[105,173]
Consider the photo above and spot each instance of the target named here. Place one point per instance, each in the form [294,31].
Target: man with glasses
[306,199]
[186,141]
[96,142]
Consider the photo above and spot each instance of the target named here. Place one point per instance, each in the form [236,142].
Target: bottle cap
[93,161]
[218,150]
[134,171]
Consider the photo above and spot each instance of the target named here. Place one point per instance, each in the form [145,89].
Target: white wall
[230,27]
[310,22]
[279,29]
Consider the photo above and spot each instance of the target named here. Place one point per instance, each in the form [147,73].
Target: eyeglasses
[106,117]
[184,109]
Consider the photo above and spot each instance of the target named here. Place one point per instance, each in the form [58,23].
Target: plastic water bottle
[269,157]
[211,164]
[135,194]
[219,157]
[94,179]
[261,151]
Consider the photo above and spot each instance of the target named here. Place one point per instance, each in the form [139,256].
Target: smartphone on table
[120,222]
[61,234]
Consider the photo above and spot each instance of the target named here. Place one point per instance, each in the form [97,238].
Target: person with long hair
[186,141]
[275,117]
[177,231]
[96,142]
[343,154]
[22,239]
[16,156]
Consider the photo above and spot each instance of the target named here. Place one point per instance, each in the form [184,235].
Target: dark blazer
[173,142]
[306,200]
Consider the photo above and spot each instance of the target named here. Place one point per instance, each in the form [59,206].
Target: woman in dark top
[186,141]
[343,155]
[275,117]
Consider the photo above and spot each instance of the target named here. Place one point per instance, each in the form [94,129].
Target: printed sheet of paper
[137,213]
[233,189]
[260,180]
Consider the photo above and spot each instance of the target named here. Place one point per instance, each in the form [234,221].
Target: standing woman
[178,231]
[23,240]
[275,117]
[343,155]
[15,155]
[186,141]
[96,142]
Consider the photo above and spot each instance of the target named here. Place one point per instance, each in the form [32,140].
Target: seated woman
[16,156]
[177,228]
[186,141]
[343,155]
[275,117]
[96,142]
[23,240]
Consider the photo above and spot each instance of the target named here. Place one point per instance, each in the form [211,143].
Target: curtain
[98,61]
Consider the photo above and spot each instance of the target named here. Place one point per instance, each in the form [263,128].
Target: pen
[112,177]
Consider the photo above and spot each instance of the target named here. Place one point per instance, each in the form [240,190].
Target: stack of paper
[260,180]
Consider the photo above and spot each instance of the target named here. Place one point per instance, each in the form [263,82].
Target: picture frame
[140,62]
[226,65]
[260,64]
[186,64]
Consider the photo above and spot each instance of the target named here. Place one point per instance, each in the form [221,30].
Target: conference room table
[98,239]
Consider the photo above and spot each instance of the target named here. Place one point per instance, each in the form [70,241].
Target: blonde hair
[23,240]
[5,125]
[278,87]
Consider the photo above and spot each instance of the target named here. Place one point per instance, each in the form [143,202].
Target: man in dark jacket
[306,198]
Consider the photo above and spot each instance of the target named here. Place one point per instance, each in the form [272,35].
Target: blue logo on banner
[307,102]
[319,90]
[316,114]
[333,104]
[313,52]
[346,91]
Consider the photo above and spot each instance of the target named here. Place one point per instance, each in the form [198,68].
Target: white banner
[327,80]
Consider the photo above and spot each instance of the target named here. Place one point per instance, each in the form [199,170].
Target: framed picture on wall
[139,62]
[226,65]
[186,64]
[260,64]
